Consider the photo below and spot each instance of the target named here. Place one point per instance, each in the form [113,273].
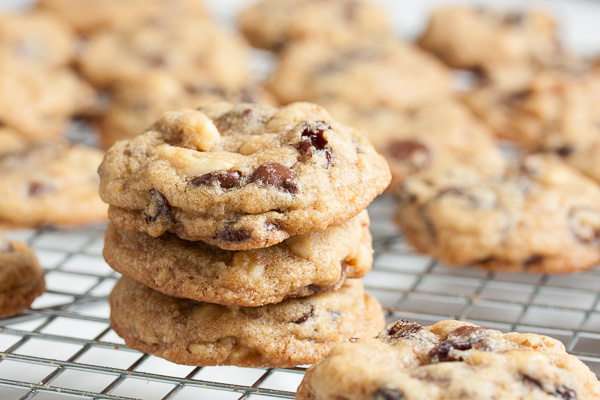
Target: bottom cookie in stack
[295,331]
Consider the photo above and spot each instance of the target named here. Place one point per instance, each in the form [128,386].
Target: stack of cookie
[241,230]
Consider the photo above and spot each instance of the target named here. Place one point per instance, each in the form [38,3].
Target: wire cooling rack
[63,347]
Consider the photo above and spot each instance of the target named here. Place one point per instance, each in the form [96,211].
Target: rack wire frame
[46,352]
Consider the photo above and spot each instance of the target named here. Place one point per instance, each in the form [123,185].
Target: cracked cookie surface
[21,278]
[541,215]
[450,360]
[299,266]
[241,176]
[286,334]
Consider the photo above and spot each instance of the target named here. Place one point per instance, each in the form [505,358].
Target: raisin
[276,175]
[225,179]
[412,152]
[231,234]
[306,316]
[388,394]
[158,208]
[584,223]
[403,328]
[39,189]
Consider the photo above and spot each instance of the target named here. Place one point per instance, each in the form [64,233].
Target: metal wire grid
[64,347]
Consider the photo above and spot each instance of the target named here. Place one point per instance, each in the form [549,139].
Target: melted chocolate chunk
[467,331]
[564,151]
[231,234]
[441,352]
[388,394]
[584,223]
[159,208]
[39,189]
[225,179]
[562,392]
[277,175]
[312,140]
[306,316]
[533,260]
[403,328]
[414,153]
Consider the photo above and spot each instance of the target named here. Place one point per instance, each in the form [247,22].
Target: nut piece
[190,163]
[189,129]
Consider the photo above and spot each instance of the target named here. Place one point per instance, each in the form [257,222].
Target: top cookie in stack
[241,176]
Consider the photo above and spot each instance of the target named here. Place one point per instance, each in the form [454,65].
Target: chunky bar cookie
[272,24]
[21,278]
[37,38]
[241,176]
[89,16]
[286,334]
[363,73]
[297,267]
[433,136]
[465,37]
[136,104]
[540,216]
[50,184]
[38,101]
[451,360]
[182,48]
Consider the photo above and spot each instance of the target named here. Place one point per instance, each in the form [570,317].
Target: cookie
[89,16]
[539,108]
[50,184]
[39,101]
[286,334]
[363,73]
[297,267]
[21,278]
[272,24]
[36,38]
[10,140]
[432,136]
[183,48]
[471,38]
[136,104]
[241,176]
[540,216]
[450,360]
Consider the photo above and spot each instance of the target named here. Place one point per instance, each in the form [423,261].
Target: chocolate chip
[159,208]
[312,140]
[156,61]
[388,394]
[467,331]
[479,199]
[39,189]
[562,392]
[564,151]
[533,260]
[351,9]
[441,352]
[515,19]
[403,328]
[584,223]
[225,179]
[233,235]
[306,316]
[276,175]
[411,152]
[517,97]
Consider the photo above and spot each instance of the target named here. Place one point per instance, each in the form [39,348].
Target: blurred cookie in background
[362,73]
[39,101]
[21,278]
[88,16]
[180,47]
[471,38]
[37,38]
[136,104]
[539,216]
[428,137]
[10,140]
[50,183]
[274,24]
